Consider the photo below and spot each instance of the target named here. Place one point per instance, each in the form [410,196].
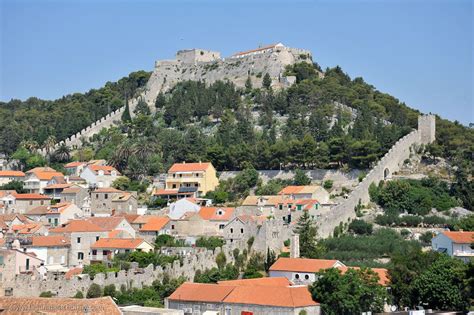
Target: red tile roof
[74,164]
[189,167]
[31,197]
[58,186]
[58,306]
[165,192]
[382,273]
[107,190]
[45,173]
[122,243]
[211,213]
[72,272]
[28,228]
[78,226]
[267,281]
[107,223]
[302,264]
[11,174]
[105,168]
[279,296]
[155,224]
[254,50]
[461,237]
[50,241]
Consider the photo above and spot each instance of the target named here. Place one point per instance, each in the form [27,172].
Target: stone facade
[30,285]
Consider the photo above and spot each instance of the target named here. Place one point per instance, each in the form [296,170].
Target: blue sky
[419,51]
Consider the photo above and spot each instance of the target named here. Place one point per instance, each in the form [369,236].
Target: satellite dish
[393,308]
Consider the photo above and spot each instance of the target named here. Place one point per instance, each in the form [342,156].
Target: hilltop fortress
[208,66]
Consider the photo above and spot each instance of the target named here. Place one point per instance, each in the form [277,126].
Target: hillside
[232,125]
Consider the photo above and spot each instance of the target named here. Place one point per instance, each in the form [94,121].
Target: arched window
[306,277]
[297,276]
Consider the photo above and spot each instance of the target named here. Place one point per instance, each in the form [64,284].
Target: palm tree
[30,145]
[120,157]
[62,153]
[48,145]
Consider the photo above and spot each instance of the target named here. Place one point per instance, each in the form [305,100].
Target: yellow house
[198,177]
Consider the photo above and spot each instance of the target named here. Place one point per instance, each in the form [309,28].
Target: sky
[418,51]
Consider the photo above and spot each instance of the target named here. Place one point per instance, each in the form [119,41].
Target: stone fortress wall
[27,285]
[389,164]
[203,65]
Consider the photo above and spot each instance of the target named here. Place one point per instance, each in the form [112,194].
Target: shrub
[360,227]
[327,184]
[78,295]
[46,294]
[94,291]
[109,290]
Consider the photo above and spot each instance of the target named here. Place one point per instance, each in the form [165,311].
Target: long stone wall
[389,164]
[33,285]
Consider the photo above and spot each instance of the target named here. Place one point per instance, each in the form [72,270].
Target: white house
[8,176]
[182,206]
[455,244]
[101,176]
[56,214]
[301,270]
[39,177]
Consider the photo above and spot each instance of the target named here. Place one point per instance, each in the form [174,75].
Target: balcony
[463,253]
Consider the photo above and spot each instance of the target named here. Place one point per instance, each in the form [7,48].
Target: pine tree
[142,108]
[160,101]
[270,259]
[307,233]
[126,114]
[248,85]
[267,81]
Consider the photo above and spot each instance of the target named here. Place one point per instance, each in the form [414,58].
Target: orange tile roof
[252,218]
[106,223]
[189,167]
[164,192]
[58,306]
[211,213]
[461,237]
[74,164]
[381,272]
[107,190]
[72,272]
[267,281]
[28,228]
[11,174]
[11,216]
[106,168]
[50,241]
[4,193]
[46,175]
[58,186]
[302,264]
[78,226]
[31,197]
[71,190]
[288,190]
[201,292]
[125,243]
[280,296]
[129,217]
[298,296]
[41,169]
[155,224]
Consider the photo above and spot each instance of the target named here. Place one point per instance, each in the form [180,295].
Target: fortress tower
[427,128]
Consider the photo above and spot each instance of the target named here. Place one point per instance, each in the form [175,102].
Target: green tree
[121,183]
[307,235]
[267,81]
[221,260]
[301,179]
[109,290]
[269,259]
[14,185]
[353,292]
[126,113]
[248,85]
[360,227]
[78,295]
[94,291]
[142,108]
[46,294]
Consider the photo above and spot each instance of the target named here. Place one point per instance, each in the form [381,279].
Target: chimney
[295,246]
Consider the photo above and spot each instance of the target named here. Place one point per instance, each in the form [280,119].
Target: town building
[301,270]
[101,176]
[74,194]
[199,298]
[178,208]
[306,192]
[455,244]
[198,177]
[39,177]
[22,203]
[8,176]
[106,248]
[105,201]
[52,249]
[55,215]
[153,227]
[115,223]
[208,221]
[14,262]
[82,235]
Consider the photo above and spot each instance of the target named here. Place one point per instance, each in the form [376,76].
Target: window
[42,202]
[196,185]
[180,175]
[97,238]
[242,231]
[96,196]
[280,206]
[231,230]
[80,255]
[297,276]
[106,196]
[221,226]
[299,207]
[31,202]
[55,221]
[306,277]
[78,240]
[27,264]
[104,252]
[94,252]
[174,185]
[127,250]
[172,226]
